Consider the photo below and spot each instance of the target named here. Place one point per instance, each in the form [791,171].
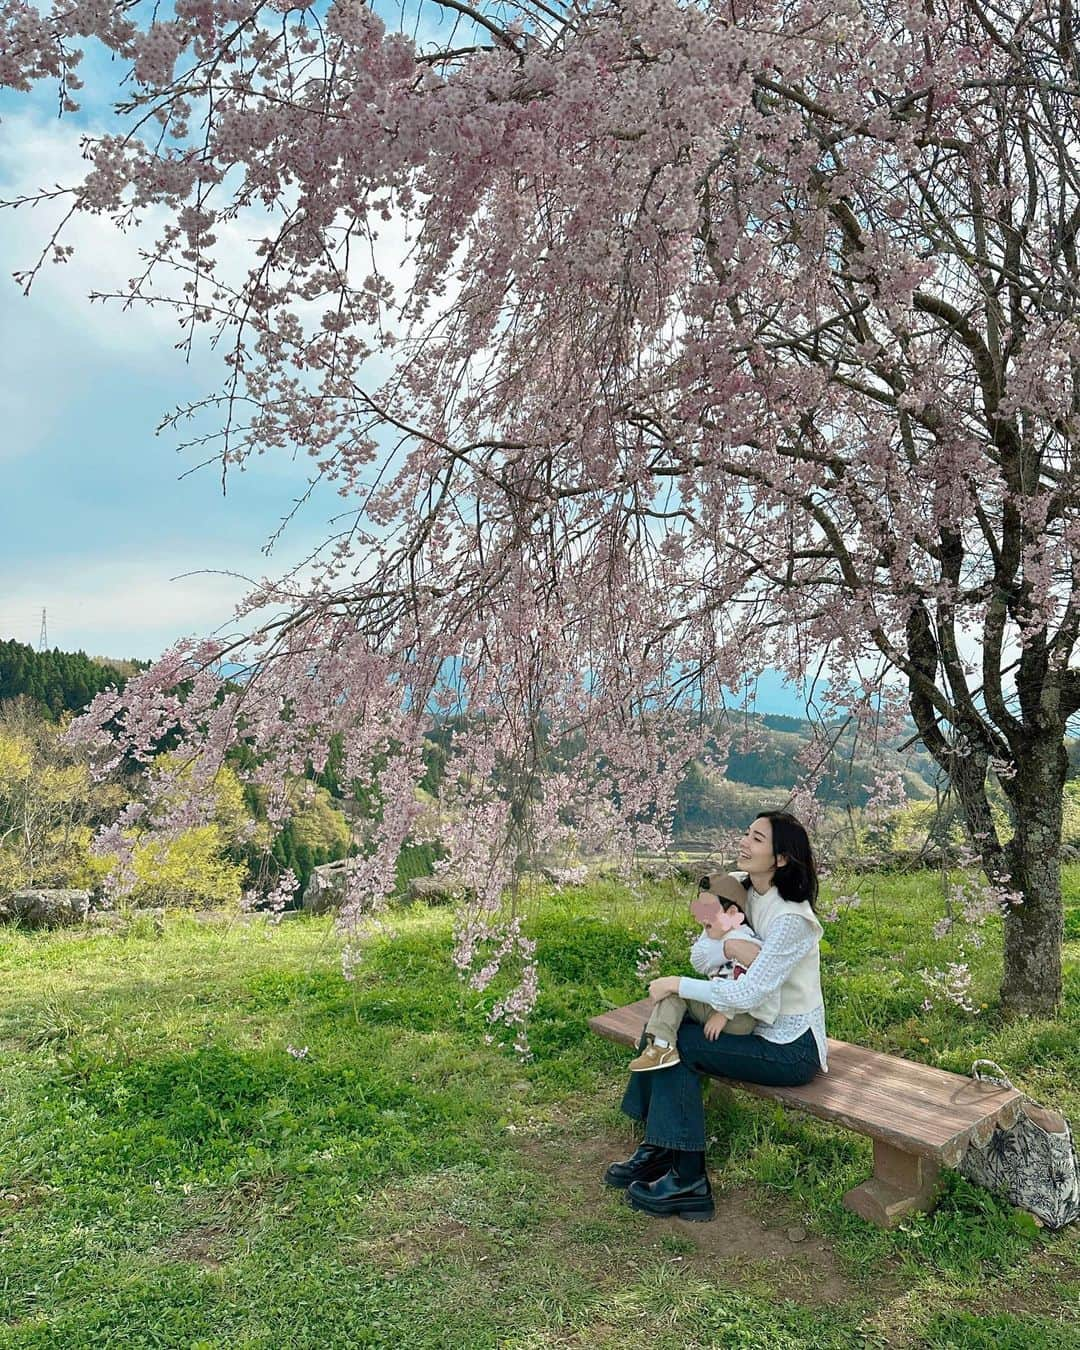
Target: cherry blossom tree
[649,345]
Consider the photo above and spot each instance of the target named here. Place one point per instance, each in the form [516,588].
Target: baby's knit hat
[723,885]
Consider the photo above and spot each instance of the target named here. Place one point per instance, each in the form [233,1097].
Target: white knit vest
[801,991]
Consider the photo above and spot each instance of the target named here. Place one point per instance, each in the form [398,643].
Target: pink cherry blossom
[713,340]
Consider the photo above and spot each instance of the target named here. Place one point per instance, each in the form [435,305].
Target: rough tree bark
[1031,981]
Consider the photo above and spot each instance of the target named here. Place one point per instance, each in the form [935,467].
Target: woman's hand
[741,951]
[663,987]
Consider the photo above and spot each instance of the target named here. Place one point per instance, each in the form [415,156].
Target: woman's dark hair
[797,879]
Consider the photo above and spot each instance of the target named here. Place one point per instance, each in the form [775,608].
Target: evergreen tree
[56,681]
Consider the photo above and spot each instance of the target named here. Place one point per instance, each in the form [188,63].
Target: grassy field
[209,1139]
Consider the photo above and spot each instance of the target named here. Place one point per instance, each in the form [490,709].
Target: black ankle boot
[648,1163]
[683,1192]
[689,1167]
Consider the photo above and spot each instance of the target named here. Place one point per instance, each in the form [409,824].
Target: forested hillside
[765,760]
[770,757]
[57,681]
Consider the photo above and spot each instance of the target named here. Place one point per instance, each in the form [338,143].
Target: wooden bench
[919,1118]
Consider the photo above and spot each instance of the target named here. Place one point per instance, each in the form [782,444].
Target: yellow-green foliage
[921,823]
[918,823]
[46,797]
[16,759]
[191,870]
[194,870]
[84,869]
[320,826]
[231,815]
[1070,826]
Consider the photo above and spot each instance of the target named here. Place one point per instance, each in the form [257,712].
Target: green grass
[170,1175]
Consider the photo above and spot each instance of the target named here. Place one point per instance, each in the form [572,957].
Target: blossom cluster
[953,985]
[648,957]
[648,348]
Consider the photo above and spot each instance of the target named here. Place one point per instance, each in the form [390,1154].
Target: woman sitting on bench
[666,1176]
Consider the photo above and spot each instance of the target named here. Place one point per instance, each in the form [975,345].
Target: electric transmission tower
[43,636]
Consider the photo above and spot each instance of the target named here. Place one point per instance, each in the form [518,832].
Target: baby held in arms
[720,909]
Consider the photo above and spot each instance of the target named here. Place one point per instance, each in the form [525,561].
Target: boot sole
[704,1212]
[652,1068]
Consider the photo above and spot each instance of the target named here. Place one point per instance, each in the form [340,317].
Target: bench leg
[903,1183]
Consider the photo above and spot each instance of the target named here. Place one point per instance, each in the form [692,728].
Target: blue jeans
[669,1101]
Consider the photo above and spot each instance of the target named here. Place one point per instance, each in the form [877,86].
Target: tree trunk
[1031,980]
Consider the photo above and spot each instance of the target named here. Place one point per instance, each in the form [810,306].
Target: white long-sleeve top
[788,941]
[707,955]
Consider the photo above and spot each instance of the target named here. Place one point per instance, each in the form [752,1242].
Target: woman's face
[756,850]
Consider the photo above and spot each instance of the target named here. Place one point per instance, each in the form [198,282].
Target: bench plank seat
[920,1118]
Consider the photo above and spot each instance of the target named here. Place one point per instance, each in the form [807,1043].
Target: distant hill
[58,681]
[763,767]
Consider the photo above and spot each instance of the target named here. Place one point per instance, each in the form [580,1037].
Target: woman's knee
[691,1038]
[702,1056]
[731,1056]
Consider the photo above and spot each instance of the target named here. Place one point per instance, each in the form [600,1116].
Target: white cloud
[57,340]
[81,387]
[36,155]
[118,607]
[58,346]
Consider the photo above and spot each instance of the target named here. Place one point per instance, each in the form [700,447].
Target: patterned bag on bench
[1032,1164]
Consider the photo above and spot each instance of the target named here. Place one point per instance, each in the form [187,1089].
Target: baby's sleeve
[745,934]
[790,938]
[707,954]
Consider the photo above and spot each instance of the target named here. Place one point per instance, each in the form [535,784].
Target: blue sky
[97,524]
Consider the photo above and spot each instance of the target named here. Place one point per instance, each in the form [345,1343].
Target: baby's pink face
[711,914]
